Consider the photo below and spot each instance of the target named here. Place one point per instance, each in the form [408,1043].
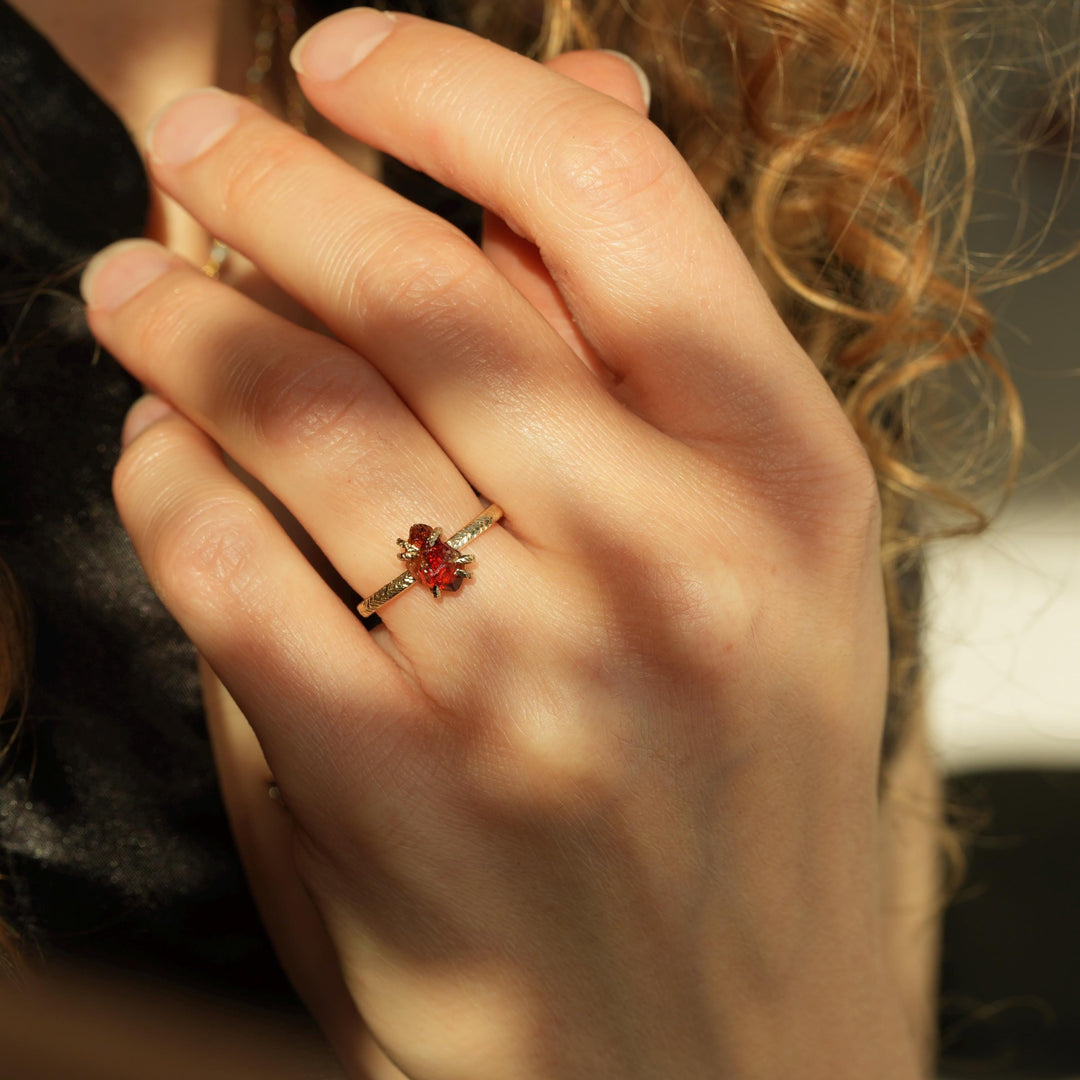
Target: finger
[474,362]
[306,417]
[263,831]
[289,651]
[518,260]
[649,271]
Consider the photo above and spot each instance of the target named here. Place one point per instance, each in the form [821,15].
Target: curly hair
[824,131]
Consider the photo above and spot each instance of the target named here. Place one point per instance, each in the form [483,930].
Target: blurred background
[1003,636]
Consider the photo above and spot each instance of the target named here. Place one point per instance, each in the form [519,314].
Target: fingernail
[115,274]
[639,71]
[149,409]
[333,47]
[190,125]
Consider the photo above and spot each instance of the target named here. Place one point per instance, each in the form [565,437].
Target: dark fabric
[115,838]
[115,844]
[1010,992]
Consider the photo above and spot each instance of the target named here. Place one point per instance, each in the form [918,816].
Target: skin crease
[171,62]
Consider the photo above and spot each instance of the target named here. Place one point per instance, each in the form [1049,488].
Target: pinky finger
[264,833]
[300,665]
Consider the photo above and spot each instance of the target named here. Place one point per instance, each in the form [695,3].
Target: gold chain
[275,36]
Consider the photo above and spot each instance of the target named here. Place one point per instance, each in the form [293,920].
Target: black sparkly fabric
[116,846]
[113,839]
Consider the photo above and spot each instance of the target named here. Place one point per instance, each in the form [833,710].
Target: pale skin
[612,808]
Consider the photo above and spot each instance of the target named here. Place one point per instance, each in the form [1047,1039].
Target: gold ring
[432,561]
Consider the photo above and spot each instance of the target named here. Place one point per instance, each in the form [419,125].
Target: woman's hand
[611,809]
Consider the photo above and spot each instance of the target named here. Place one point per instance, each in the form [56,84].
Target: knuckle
[163,326]
[205,552]
[862,491]
[603,162]
[290,404]
[847,491]
[326,413]
[692,627]
[248,180]
[198,540]
[327,416]
[423,277]
[824,491]
[561,766]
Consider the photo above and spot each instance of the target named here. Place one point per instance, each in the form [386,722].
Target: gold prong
[417,552]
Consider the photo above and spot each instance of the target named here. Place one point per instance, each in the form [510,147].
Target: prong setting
[436,563]
[411,551]
[433,561]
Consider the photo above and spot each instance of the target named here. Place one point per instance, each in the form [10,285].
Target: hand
[611,809]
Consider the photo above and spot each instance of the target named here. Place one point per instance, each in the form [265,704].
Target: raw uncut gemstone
[435,565]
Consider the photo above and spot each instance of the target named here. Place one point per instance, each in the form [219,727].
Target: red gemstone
[435,565]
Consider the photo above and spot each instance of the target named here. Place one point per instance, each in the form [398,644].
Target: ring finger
[319,427]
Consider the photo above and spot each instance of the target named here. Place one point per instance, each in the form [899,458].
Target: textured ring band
[432,561]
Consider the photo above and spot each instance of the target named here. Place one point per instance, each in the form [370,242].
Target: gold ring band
[432,560]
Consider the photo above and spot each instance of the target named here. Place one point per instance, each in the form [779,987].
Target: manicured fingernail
[189,126]
[149,409]
[114,275]
[333,47]
[639,71]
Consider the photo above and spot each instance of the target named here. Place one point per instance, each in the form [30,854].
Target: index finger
[647,267]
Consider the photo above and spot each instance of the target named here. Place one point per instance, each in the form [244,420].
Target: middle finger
[511,405]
